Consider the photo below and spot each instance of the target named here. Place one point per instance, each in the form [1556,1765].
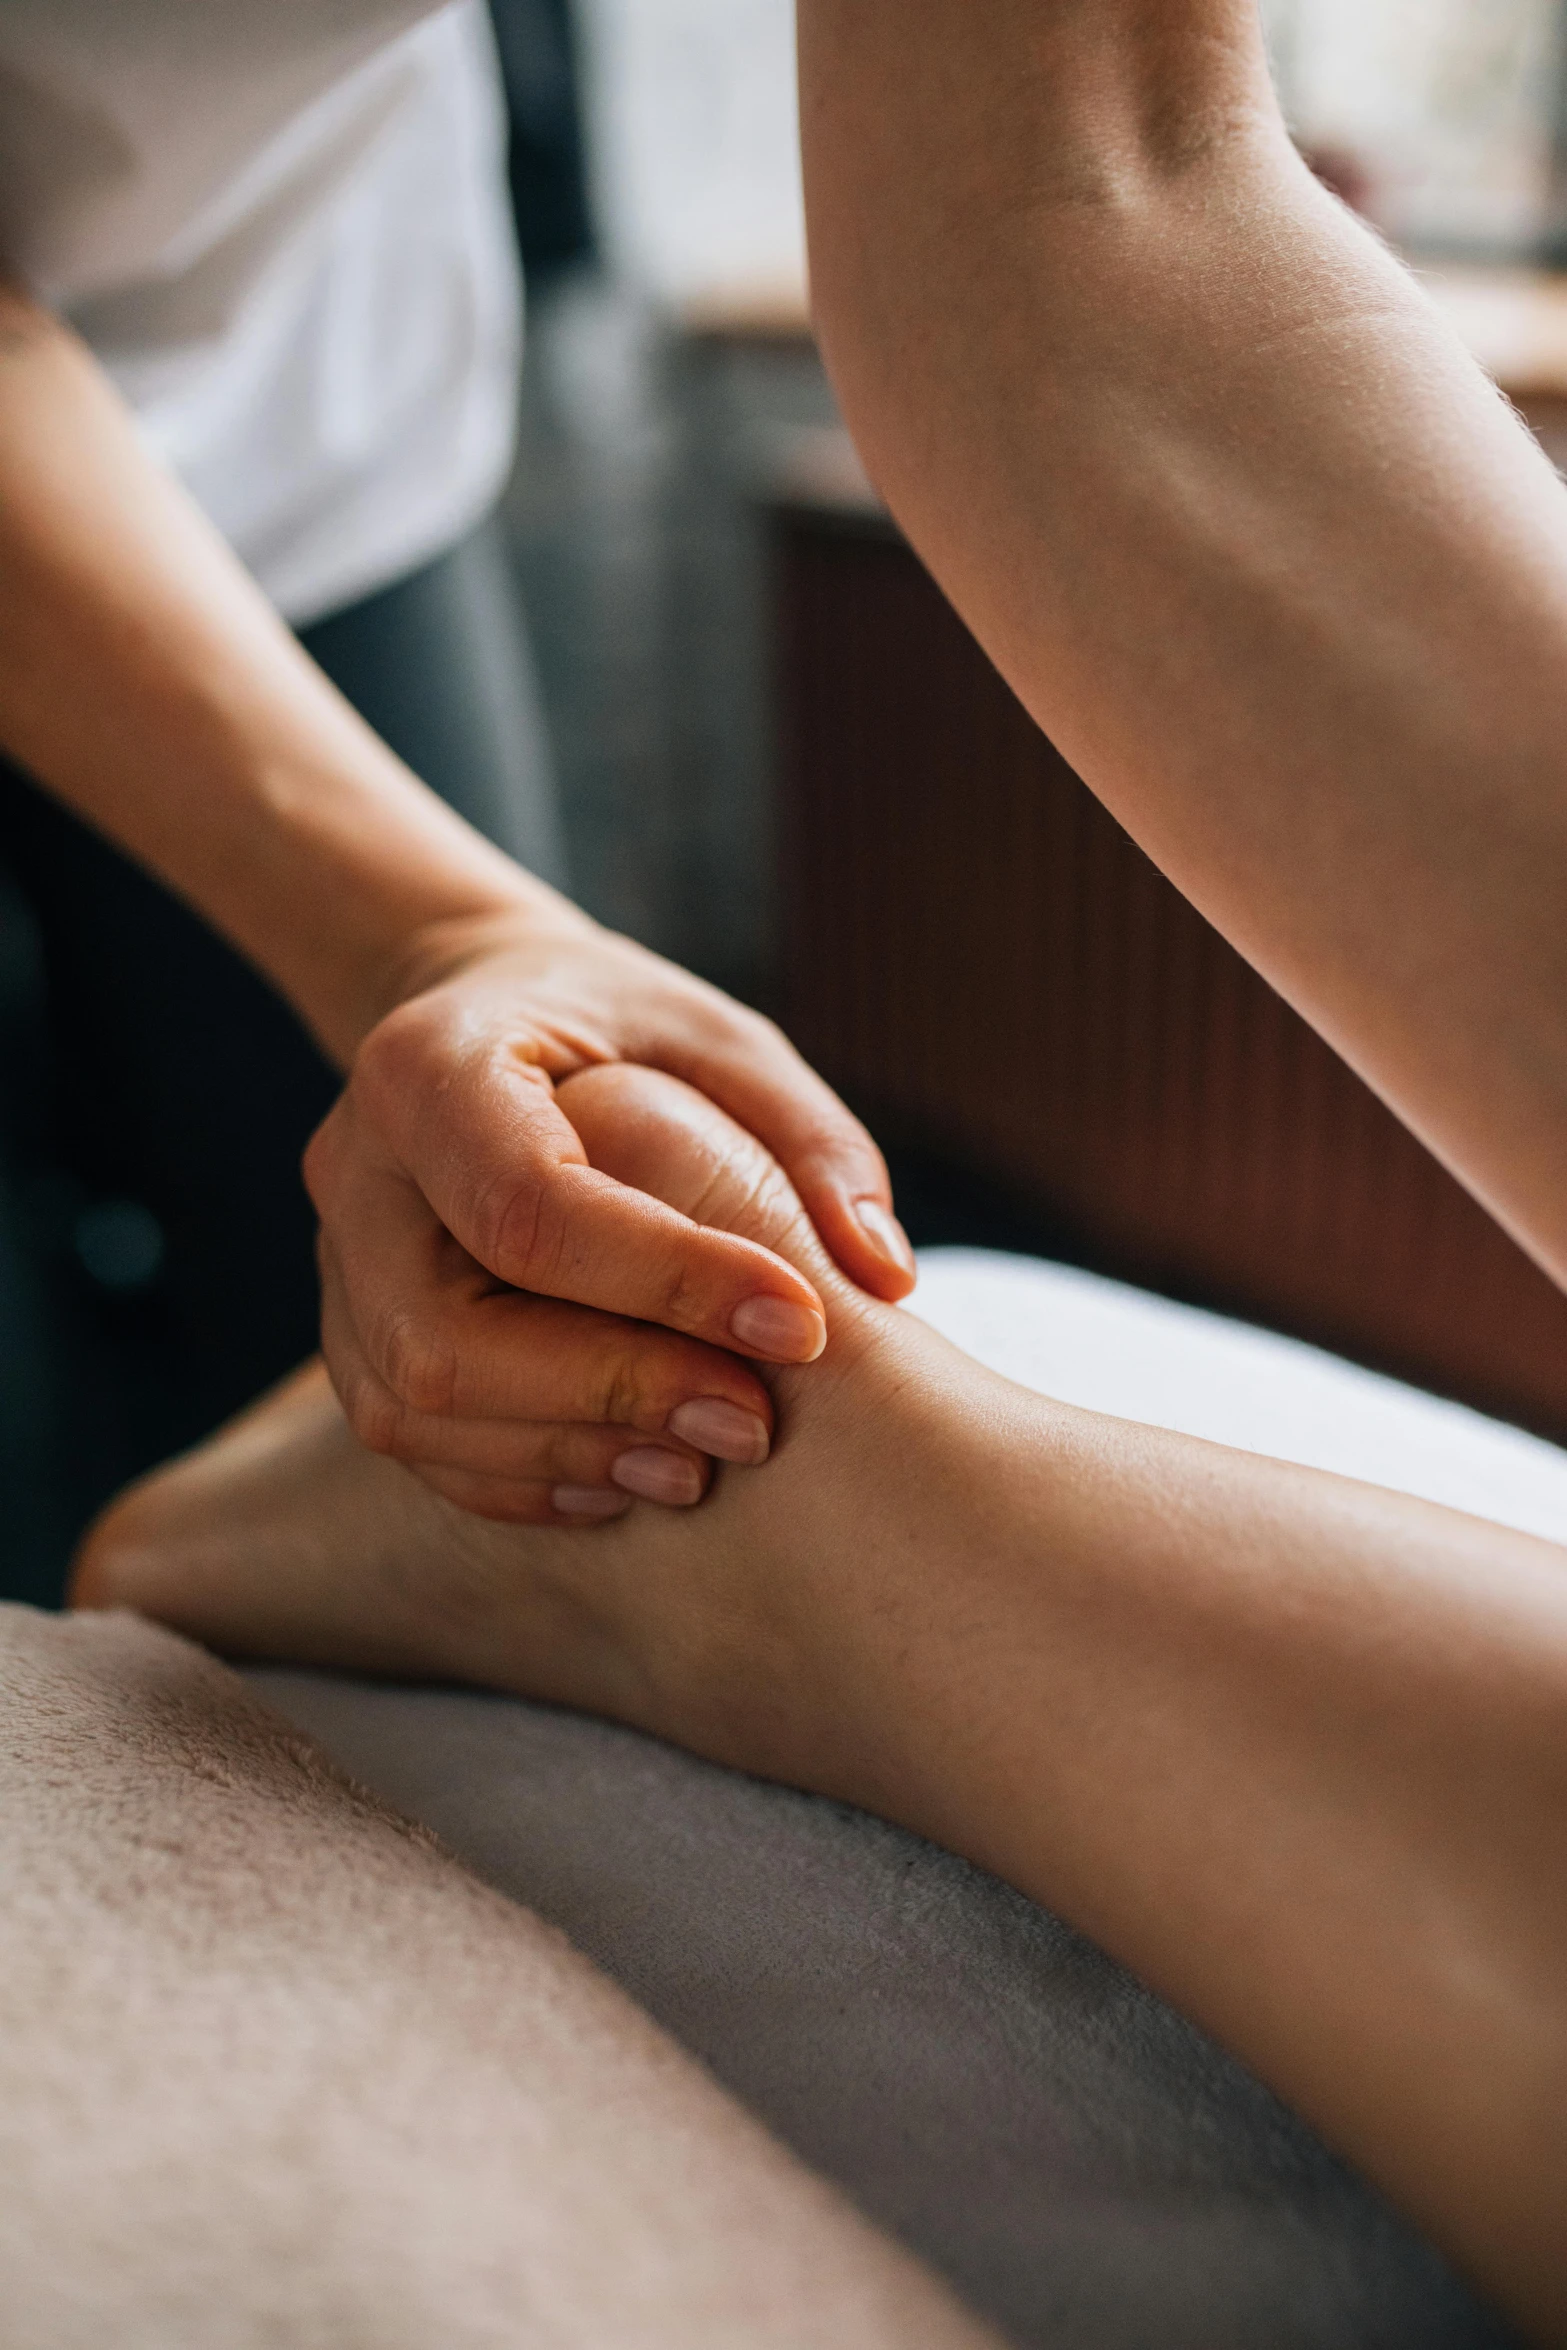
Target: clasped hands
[536,1341]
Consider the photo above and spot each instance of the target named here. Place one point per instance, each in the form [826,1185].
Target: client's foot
[283,1538]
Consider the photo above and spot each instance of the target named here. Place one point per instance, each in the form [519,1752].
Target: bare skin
[538,1342]
[1294,1749]
[1231,508]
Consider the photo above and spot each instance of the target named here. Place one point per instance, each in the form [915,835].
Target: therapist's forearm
[146,681]
[1234,513]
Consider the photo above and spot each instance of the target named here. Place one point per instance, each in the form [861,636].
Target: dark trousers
[178,1090]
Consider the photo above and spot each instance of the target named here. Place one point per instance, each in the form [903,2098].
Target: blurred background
[783,763]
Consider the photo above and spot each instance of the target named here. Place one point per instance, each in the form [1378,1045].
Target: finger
[755,1073]
[543,1452]
[519,1502]
[662,1135]
[504,1172]
[492,1368]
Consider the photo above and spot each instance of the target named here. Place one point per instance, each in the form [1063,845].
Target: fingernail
[886,1235]
[655,1474]
[726,1430]
[588,1501]
[789,1333]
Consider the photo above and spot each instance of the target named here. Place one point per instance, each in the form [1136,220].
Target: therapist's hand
[537,1341]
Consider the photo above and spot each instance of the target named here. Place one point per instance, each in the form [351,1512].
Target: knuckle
[404,1073]
[827,1124]
[833,1136]
[419,1363]
[517,1232]
[623,1388]
[684,1303]
[380,1426]
[644,1385]
[394,1059]
[772,1205]
[767,1032]
[734,1025]
[371,1412]
[568,1455]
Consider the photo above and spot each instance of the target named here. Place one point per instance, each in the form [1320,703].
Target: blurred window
[1448,108]
[693,141]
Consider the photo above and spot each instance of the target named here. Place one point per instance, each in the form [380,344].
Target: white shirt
[282,226]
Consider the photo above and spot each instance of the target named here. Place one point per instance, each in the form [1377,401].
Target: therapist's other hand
[537,1341]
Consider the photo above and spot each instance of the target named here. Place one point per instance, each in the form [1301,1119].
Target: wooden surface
[1515,323]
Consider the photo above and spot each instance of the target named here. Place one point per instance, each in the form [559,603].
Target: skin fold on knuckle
[756,1046]
[519,1231]
[398,1062]
[567,1453]
[641,1382]
[419,1360]
[711,1039]
[833,1147]
[424,1080]
[687,1302]
[665,1377]
[374,1415]
[625,1396]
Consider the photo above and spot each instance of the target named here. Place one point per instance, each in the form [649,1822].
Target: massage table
[1087,2169]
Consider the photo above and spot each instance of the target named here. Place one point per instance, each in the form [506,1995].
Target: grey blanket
[278,2073]
[1087,2169]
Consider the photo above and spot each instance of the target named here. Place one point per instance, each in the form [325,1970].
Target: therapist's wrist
[344,986]
[453,941]
[376,892]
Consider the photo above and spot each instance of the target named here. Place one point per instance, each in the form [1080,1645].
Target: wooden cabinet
[985,964]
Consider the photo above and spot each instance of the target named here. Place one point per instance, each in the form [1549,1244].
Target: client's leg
[1292,1748]
[273,2069]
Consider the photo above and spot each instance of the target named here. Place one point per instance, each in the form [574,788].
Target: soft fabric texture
[274,2071]
[1086,2169]
[283,228]
[1115,1349]
[1090,2171]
